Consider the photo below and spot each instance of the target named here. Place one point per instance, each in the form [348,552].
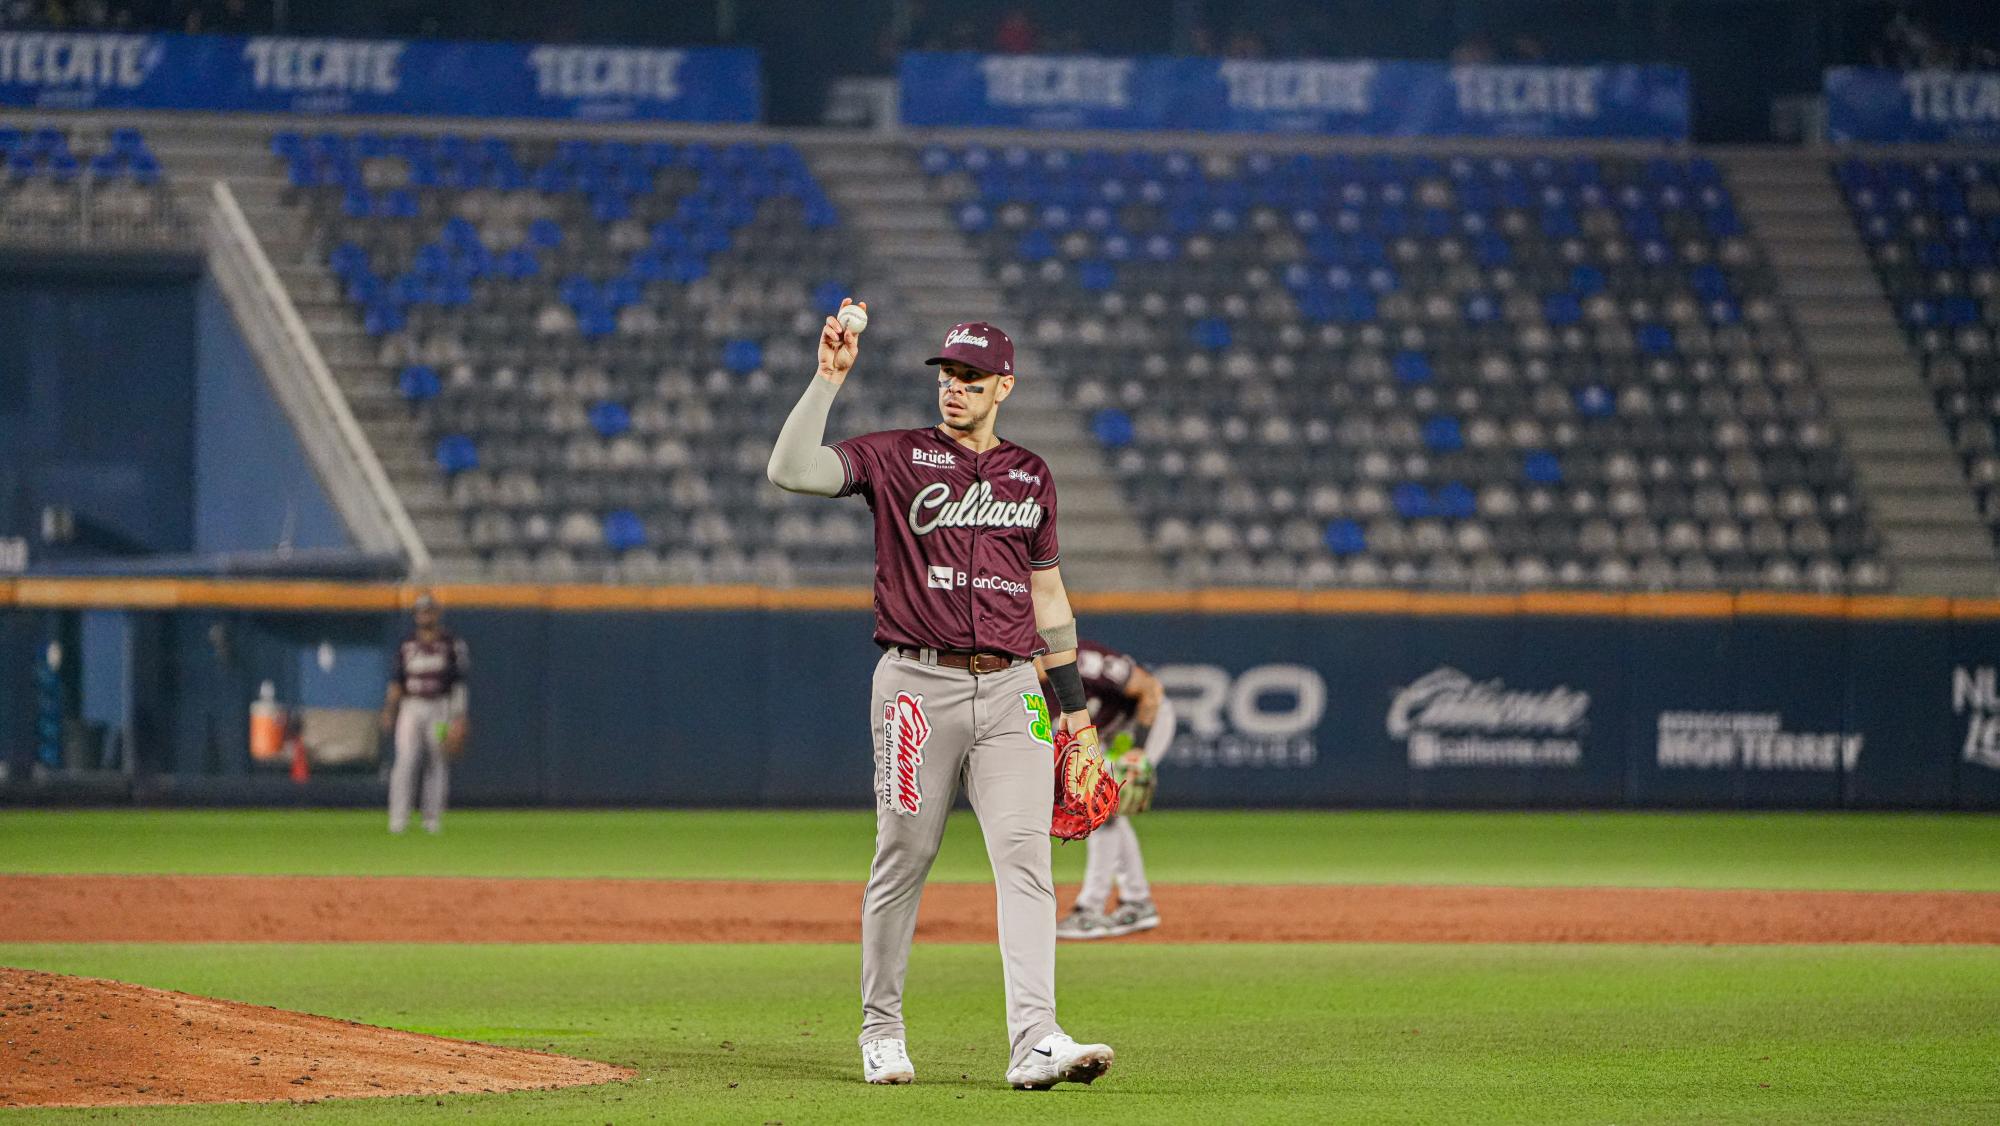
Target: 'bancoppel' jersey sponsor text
[1448,719]
[1749,741]
[1266,716]
[1975,694]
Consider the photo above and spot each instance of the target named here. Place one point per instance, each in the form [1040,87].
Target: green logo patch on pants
[1038,718]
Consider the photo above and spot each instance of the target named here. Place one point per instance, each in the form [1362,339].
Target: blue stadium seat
[610,419]
[456,453]
[1211,332]
[1443,435]
[1112,428]
[1412,501]
[624,530]
[1412,367]
[1345,537]
[419,383]
[743,356]
[1454,500]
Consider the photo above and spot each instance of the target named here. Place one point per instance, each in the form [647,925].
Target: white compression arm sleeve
[801,462]
[1161,737]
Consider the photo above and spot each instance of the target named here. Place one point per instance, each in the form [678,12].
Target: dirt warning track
[422,909]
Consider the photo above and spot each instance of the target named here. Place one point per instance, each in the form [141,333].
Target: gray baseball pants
[1113,855]
[1113,859]
[933,726]
[418,743]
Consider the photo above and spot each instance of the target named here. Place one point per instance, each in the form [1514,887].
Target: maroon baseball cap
[979,345]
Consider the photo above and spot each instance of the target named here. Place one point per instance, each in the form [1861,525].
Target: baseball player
[426,710]
[967,593]
[1130,708]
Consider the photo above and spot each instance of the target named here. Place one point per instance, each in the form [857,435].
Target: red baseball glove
[1086,794]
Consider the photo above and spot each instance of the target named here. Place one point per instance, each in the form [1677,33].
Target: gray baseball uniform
[1113,856]
[957,535]
[432,672]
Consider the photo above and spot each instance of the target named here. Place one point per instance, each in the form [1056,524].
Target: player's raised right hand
[837,347]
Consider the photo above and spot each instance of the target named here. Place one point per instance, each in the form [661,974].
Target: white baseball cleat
[1059,1059]
[886,1061]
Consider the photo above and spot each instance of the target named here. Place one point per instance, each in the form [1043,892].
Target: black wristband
[1068,685]
[1140,734]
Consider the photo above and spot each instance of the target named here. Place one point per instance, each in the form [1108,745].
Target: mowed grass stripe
[1836,851]
[1241,1034]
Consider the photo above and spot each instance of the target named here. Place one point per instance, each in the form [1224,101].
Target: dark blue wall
[97,400]
[253,486]
[1308,710]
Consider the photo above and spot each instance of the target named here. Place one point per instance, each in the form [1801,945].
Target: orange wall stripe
[361,597]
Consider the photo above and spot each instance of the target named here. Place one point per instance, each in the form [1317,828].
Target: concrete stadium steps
[200,152]
[920,269]
[1910,478]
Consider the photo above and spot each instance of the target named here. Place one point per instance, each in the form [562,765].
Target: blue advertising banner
[1872,105]
[276,74]
[1357,98]
[740,707]
[1973,696]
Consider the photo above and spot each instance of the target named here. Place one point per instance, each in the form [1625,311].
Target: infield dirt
[428,909]
[82,1042]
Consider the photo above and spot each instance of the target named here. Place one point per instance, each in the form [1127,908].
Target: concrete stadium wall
[622,696]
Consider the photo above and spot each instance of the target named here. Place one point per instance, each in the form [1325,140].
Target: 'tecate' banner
[276,74]
[1359,98]
[1873,105]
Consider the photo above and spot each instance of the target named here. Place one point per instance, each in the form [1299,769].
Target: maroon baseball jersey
[956,537]
[1107,676]
[429,669]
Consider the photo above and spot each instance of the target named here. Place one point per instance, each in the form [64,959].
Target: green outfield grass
[1776,850]
[1217,1034]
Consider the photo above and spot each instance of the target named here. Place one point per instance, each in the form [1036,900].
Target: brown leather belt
[978,664]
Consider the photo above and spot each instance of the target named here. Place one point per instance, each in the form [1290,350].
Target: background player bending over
[1135,718]
[967,593]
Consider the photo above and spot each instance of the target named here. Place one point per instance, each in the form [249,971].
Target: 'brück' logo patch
[905,730]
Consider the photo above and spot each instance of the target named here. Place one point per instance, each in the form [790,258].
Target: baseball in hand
[853,318]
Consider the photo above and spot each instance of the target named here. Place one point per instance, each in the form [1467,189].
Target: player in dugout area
[1136,721]
[425,709]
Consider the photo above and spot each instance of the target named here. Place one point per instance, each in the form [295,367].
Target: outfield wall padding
[1736,703]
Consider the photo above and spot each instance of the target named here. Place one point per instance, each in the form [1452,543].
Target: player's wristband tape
[1068,685]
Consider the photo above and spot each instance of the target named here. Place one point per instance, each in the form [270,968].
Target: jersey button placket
[976,617]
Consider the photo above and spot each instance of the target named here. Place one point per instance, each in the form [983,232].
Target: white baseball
[853,318]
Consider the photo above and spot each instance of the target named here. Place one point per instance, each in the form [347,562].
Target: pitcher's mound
[78,1041]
